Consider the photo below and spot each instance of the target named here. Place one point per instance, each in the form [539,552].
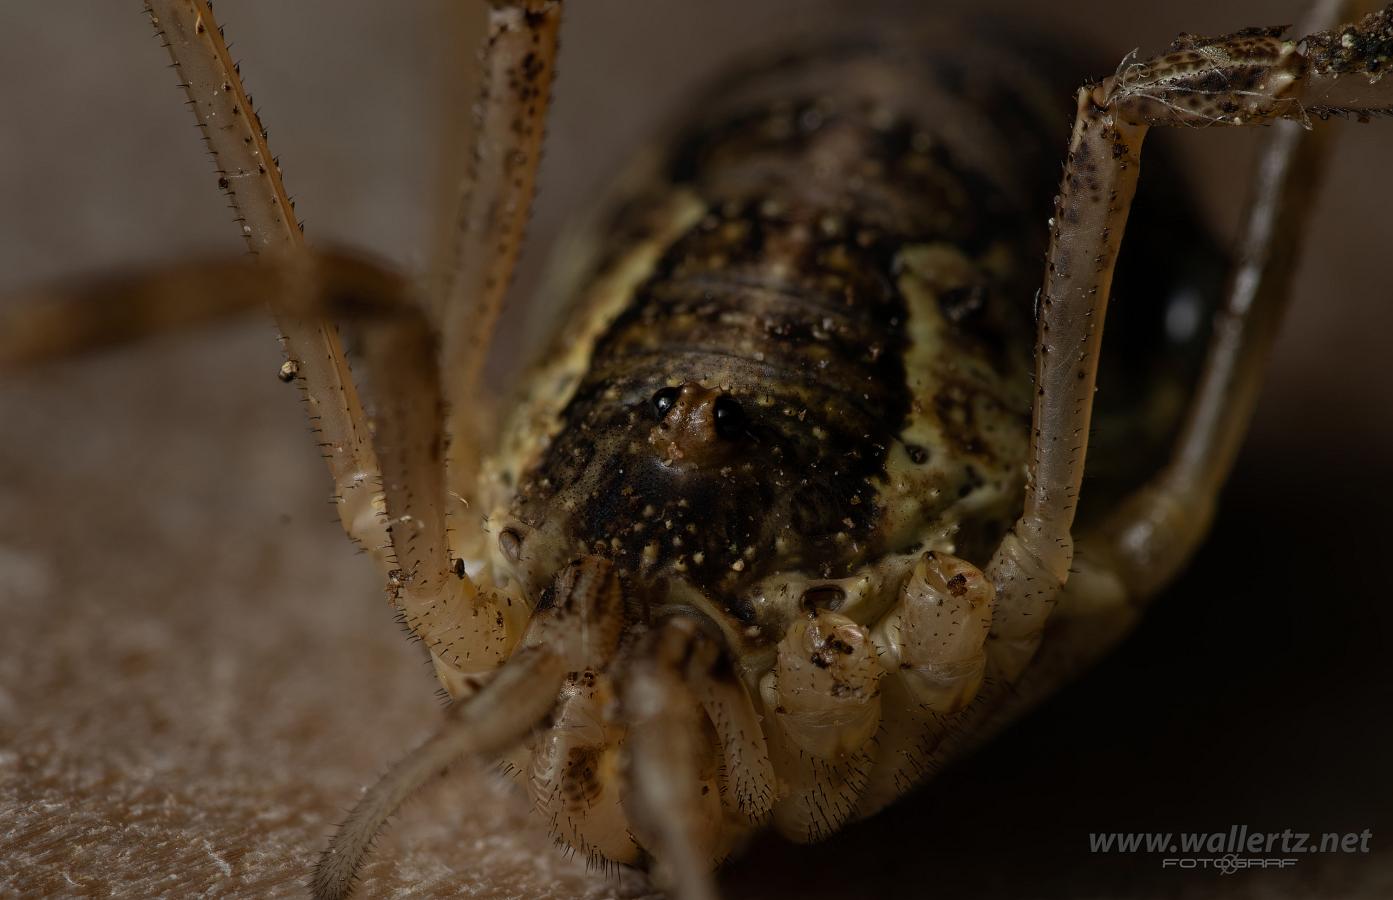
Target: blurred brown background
[196,673]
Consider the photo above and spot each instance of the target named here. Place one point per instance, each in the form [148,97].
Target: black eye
[730,418]
[663,400]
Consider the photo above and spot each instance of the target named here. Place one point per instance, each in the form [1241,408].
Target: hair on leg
[491,721]
[1250,77]
[439,602]
[481,242]
[251,178]
[579,631]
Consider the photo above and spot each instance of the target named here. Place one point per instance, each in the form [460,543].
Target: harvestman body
[784,519]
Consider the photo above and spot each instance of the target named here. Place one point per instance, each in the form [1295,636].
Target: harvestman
[676,684]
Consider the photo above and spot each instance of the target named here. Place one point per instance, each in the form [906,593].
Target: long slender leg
[490,722]
[251,177]
[440,604]
[1155,531]
[485,237]
[1141,546]
[674,816]
[579,632]
[1032,563]
[1135,551]
[67,319]
[444,608]
[1251,77]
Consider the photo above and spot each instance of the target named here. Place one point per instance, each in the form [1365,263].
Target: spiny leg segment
[251,177]
[480,244]
[1251,77]
[578,631]
[439,603]
[1146,541]
[466,631]
[433,603]
[471,631]
[399,345]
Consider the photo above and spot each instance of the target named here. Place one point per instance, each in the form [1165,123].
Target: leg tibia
[251,178]
[481,249]
[1347,66]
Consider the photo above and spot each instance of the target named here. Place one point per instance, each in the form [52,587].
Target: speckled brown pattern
[294,651]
